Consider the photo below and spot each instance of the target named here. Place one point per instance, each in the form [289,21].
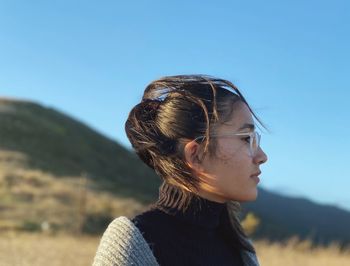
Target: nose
[260,157]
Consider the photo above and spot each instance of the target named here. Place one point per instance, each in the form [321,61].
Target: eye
[246,139]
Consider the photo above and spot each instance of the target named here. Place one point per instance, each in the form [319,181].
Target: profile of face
[228,175]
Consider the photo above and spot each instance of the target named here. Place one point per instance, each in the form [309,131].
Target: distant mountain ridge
[283,216]
[37,138]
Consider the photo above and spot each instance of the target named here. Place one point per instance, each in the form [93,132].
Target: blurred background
[72,70]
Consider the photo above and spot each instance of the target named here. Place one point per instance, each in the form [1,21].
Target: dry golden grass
[41,197]
[295,252]
[36,197]
[40,249]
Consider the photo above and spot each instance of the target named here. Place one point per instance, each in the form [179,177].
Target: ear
[192,153]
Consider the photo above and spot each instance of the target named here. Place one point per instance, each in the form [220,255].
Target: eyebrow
[247,125]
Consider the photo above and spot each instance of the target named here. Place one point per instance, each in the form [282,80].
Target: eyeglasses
[254,139]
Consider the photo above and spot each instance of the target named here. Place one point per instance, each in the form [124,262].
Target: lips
[256,174]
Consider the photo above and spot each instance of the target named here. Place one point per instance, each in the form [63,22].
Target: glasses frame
[253,135]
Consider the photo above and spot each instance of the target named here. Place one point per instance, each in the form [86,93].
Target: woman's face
[229,172]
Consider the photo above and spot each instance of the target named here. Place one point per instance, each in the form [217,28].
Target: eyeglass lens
[254,142]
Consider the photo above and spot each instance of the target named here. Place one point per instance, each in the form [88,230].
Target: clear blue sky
[92,60]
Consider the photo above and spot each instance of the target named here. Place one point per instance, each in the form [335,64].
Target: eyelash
[247,139]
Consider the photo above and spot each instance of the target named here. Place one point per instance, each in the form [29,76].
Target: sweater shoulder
[123,244]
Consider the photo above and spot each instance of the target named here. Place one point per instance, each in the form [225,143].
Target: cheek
[228,151]
[235,157]
[234,149]
[227,159]
[223,151]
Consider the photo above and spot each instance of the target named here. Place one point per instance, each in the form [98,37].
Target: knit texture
[167,235]
[200,234]
[122,245]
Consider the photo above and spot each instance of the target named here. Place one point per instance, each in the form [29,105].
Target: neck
[189,207]
[203,193]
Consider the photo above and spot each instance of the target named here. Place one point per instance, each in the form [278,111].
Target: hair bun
[149,108]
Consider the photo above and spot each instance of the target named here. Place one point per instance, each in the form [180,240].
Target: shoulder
[123,244]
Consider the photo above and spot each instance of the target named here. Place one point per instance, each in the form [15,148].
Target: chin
[251,197]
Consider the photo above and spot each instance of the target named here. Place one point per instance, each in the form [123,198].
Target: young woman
[198,134]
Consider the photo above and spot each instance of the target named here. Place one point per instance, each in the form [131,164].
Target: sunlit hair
[173,111]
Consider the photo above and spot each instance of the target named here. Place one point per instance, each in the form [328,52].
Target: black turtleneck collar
[199,211]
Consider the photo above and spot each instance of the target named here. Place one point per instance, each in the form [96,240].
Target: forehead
[241,116]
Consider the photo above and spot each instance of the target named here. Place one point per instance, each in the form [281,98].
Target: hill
[62,146]
[57,173]
[282,217]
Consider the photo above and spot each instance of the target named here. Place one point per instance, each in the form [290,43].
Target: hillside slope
[281,217]
[57,172]
[62,146]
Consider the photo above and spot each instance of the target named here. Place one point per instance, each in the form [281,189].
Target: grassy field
[295,252]
[41,198]
[40,249]
[29,198]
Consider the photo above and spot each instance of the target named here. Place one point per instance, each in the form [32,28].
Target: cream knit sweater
[122,244]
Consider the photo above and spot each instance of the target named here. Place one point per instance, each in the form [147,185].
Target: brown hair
[173,111]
